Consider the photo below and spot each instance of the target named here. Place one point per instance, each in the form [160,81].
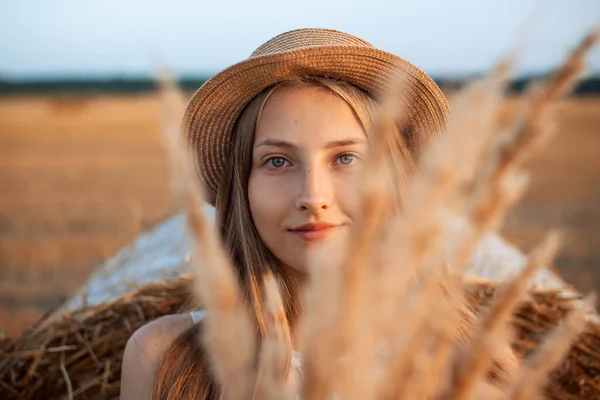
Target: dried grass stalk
[534,373]
[275,357]
[492,333]
[228,334]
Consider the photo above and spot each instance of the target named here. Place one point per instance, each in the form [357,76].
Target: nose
[317,191]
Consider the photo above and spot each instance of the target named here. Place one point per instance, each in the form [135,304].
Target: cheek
[348,196]
[269,203]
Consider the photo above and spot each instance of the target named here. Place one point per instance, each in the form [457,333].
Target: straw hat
[212,112]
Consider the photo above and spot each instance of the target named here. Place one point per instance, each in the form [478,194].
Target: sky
[62,38]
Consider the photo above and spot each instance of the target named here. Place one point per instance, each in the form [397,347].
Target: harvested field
[80,177]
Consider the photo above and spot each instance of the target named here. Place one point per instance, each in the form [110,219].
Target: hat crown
[310,37]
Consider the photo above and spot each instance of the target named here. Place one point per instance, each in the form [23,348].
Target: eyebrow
[330,145]
[344,142]
[276,143]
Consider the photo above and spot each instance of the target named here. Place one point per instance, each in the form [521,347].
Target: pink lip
[314,230]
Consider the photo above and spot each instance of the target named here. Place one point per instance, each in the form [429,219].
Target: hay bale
[159,254]
[84,347]
[578,377]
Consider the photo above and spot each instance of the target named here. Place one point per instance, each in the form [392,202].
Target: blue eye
[346,159]
[277,162]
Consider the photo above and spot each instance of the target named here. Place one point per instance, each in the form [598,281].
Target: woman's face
[303,189]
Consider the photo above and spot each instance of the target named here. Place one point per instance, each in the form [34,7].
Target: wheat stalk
[533,375]
[494,326]
[416,238]
[491,199]
[341,333]
[274,360]
[228,334]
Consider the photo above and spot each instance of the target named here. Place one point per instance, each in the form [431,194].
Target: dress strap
[197,316]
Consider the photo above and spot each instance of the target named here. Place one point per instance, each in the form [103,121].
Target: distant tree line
[589,86]
[90,86]
[145,84]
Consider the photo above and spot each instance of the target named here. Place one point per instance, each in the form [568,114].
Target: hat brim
[211,114]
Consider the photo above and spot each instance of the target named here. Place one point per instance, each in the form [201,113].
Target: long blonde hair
[183,372]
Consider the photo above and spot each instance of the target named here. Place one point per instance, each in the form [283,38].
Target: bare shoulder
[152,339]
[144,350]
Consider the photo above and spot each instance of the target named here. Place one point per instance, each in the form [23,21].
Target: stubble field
[79,178]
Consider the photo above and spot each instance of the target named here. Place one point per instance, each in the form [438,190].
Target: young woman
[279,140]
